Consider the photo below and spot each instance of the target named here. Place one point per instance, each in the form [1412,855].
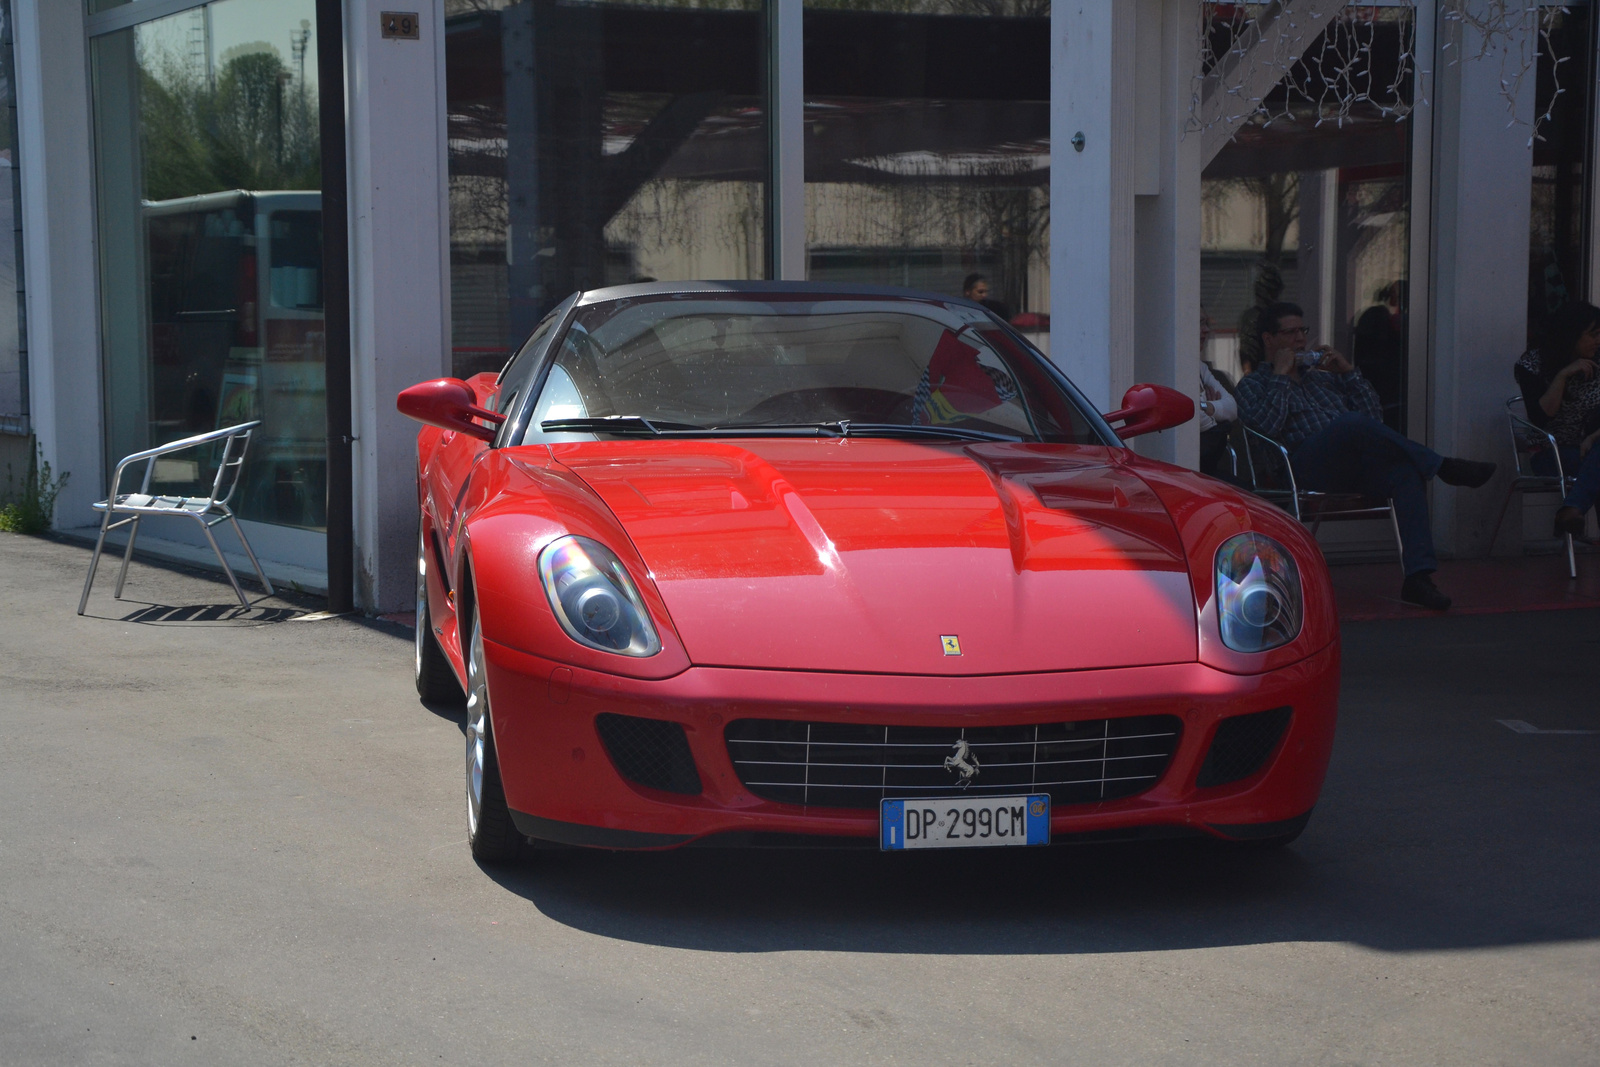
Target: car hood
[866,554]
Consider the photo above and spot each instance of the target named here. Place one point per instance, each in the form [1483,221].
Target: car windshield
[692,364]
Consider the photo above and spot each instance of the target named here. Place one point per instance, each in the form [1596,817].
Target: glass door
[208,177]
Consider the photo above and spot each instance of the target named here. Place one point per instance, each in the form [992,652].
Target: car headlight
[1258,593]
[594,599]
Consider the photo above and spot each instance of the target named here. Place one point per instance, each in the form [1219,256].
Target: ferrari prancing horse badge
[952,644]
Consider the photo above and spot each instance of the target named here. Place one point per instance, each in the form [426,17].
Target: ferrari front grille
[847,765]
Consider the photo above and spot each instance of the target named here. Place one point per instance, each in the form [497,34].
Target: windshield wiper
[849,428]
[636,424]
[617,424]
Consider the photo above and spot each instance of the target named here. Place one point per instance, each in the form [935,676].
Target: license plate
[968,822]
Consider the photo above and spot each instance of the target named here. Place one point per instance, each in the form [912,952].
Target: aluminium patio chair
[1528,441]
[1272,478]
[208,511]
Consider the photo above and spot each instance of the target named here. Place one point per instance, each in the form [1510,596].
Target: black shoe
[1569,523]
[1419,589]
[1465,472]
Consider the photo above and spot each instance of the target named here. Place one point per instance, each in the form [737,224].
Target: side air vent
[1242,746]
[649,752]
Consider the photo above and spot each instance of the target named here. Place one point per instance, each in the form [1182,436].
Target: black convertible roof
[757,289]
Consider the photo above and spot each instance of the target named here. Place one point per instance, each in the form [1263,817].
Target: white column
[58,236]
[399,278]
[1483,174]
[1165,277]
[1317,254]
[788,139]
[1091,197]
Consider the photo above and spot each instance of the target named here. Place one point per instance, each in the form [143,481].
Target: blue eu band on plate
[967,822]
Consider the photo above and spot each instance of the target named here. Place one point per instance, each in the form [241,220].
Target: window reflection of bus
[236,333]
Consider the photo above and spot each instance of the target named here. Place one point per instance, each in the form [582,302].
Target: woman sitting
[1561,393]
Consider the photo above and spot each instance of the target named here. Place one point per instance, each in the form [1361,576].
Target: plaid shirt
[1291,411]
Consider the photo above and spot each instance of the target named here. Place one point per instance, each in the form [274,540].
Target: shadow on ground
[1439,828]
[201,613]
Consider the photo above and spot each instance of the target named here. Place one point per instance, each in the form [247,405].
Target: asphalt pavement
[238,839]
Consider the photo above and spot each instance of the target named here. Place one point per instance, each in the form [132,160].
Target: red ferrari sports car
[771,563]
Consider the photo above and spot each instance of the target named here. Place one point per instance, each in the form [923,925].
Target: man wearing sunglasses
[1330,418]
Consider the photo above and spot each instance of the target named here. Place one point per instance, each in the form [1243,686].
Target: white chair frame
[1322,506]
[1526,441]
[208,511]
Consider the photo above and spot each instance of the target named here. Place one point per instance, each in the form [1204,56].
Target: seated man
[1330,418]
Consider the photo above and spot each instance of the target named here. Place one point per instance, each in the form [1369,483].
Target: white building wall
[1092,51]
[1166,219]
[1125,210]
[1483,169]
[58,232]
[399,279]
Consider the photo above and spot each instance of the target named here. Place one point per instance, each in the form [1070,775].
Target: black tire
[436,681]
[491,834]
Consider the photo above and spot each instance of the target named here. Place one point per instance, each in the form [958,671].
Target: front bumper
[561,784]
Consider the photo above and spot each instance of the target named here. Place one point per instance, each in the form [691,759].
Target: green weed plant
[30,509]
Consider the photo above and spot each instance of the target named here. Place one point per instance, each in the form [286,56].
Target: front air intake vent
[649,752]
[1242,746]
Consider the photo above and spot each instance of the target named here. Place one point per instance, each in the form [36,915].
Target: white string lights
[1315,61]
[1517,33]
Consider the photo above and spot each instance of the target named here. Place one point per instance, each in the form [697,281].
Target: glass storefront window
[1556,250]
[209,170]
[593,144]
[1314,208]
[927,147]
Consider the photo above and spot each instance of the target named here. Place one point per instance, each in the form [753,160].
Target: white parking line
[1517,726]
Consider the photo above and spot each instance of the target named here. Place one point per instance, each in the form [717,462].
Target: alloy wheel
[477,727]
[421,631]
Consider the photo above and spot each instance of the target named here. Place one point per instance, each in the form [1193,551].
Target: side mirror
[1148,408]
[450,404]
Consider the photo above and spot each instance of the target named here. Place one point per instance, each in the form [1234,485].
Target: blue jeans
[1585,470]
[1358,454]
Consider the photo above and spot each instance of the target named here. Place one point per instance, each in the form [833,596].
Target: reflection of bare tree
[478,214]
[1277,196]
[991,204]
[1280,202]
[1276,200]
[478,207]
[991,8]
[716,222]
[467,7]
[1012,220]
[1004,225]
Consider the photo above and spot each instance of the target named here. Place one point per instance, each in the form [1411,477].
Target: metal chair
[1528,441]
[208,511]
[1307,505]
